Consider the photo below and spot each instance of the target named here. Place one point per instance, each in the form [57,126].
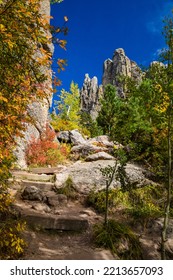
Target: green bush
[68,189]
[146,203]
[142,204]
[119,238]
[116,198]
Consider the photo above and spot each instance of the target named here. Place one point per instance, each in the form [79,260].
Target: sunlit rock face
[90,95]
[116,69]
[37,110]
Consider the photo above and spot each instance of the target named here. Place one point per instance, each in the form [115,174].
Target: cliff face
[114,72]
[120,66]
[37,110]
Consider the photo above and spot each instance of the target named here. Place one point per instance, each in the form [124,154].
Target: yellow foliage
[23,33]
[61,124]
[163,103]
[11,244]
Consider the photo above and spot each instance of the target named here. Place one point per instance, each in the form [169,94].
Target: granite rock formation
[37,110]
[90,95]
[115,71]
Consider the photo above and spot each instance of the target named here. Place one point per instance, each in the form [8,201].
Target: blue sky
[98,27]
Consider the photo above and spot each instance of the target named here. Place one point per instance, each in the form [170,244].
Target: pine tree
[106,116]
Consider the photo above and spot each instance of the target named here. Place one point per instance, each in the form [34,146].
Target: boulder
[136,175]
[56,200]
[99,156]
[63,136]
[76,138]
[43,186]
[102,141]
[61,178]
[95,145]
[87,175]
[87,149]
[32,193]
[41,207]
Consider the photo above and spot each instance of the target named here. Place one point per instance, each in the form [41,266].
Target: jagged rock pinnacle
[114,71]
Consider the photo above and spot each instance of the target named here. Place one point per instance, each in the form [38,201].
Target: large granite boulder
[102,141]
[73,137]
[76,138]
[87,176]
[86,147]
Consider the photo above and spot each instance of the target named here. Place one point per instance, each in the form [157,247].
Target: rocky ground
[63,245]
[60,227]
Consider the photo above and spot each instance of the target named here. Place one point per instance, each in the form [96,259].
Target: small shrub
[11,243]
[142,204]
[116,198]
[60,124]
[145,203]
[68,189]
[45,151]
[119,238]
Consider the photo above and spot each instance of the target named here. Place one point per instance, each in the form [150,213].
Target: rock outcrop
[115,70]
[38,111]
[87,176]
[90,95]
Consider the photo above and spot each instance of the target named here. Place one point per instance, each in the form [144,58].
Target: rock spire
[90,95]
[115,71]
[118,68]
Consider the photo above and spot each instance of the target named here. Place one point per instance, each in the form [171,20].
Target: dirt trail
[63,246]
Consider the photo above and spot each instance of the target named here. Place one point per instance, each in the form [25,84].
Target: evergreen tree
[106,117]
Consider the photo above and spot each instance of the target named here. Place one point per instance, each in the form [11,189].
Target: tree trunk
[168,202]
[106,210]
